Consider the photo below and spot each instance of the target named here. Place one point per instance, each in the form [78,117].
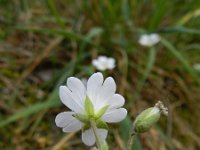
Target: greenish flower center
[90,114]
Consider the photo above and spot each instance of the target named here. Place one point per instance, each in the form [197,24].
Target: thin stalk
[94,128]
[130,142]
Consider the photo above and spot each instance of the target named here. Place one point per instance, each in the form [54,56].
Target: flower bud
[145,120]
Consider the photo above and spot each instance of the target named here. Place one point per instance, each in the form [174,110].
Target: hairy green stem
[94,128]
[130,142]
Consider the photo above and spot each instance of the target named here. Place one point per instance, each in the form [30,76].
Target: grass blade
[51,102]
[188,17]
[180,29]
[181,58]
[147,71]
[53,10]
[160,10]
[67,34]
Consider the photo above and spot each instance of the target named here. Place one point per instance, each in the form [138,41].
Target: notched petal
[88,137]
[66,121]
[114,115]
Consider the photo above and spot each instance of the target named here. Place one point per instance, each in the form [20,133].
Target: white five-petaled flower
[97,101]
[102,63]
[149,39]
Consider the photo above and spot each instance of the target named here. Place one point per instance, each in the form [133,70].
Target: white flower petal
[102,59]
[73,126]
[116,101]
[144,40]
[114,115]
[77,88]
[66,97]
[66,121]
[105,92]
[95,62]
[102,67]
[102,63]
[102,134]
[108,88]
[88,137]
[155,38]
[93,85]
[111,63]
[149,39]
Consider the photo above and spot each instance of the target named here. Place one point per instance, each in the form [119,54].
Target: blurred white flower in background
[103,63]
[196,67]
[97,101]
[149,39]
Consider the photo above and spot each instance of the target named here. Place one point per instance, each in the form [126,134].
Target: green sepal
[101,112]
[105,146]
[101,124]
[89,108]
[81,118]
[145,121]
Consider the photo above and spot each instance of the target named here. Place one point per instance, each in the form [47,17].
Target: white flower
[196,67]
[102,63]
[98,99]
[149,39]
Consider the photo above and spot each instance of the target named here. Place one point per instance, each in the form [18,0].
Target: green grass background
[42,42]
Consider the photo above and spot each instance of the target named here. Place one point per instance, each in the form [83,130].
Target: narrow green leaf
[96,31]
[125,128]
[181,58]
[53,10]
[186,18]
[59,32]
[180,29]
[136,144]
[158,13]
